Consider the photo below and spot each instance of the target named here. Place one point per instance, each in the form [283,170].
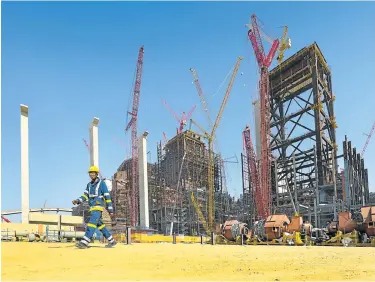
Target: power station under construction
[293,190]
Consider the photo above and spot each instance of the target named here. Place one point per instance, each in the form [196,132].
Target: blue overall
[96,194]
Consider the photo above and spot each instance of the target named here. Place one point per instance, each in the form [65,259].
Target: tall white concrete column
[94,142]
[143,181]
[258,147]
[25,204]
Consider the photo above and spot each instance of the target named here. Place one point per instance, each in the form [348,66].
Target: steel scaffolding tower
[301,87]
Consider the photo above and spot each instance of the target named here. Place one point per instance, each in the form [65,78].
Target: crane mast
[134,191]
[211,194]
[368,139]
[263,62]
[209,121]
[252,166]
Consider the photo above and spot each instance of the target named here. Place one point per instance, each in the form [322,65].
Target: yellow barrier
[157,238]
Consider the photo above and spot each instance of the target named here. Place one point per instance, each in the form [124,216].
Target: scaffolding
[180,170]
[304,157]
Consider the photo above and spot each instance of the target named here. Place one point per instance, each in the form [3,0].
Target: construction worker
[96,192]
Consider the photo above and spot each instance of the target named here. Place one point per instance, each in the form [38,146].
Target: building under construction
[181,170]
[304,146]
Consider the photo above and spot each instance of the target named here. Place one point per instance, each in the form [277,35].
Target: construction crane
[202,98]
[284,45]
[210,182]
[209,121]
[165,139]
[5,219]
[200,214]
[181,121]
[122,145]
[263,62]
[252,166]
[368,139]
[134,191]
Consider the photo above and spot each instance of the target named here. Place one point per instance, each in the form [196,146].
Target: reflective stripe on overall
[96,195]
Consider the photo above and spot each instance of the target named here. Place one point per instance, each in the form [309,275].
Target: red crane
[252,165]
[368,139]
[122,145]
[134,191]
[264,62]
[181,121]
[5,219]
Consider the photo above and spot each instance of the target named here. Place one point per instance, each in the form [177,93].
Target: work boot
[111,244]
[81,245]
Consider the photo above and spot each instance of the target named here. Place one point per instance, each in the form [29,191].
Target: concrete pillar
[143,181]
[258,147]
[25,205]
[94,142]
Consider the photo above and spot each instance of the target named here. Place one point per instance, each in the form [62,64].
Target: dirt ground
[188,262]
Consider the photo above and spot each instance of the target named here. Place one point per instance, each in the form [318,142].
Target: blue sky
[72,61]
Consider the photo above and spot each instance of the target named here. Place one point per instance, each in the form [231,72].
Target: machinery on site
[232,231]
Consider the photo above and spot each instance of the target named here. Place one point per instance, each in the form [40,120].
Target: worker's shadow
[72,246]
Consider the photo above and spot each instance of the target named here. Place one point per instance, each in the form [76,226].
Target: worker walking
[96,193]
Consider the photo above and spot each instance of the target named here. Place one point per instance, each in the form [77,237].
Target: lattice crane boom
[252,166]
[133,124]
[285,44]
[209,121]
[181,121]
[368,139]
[202,98]
[263,62]
[211,194]
[200,214]
[226,96]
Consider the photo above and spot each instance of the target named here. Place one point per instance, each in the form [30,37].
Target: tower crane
[134,192]
[181,121]
[208,117]
[285,44]
[209,136]
[368,139]
[263,63]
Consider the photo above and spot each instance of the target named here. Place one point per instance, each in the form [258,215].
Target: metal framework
[355,187]
[180,170]
[134,190]
[302,117]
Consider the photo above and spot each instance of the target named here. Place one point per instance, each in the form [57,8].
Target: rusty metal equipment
[232,229]
[346,223]
[275,226]
[368,214]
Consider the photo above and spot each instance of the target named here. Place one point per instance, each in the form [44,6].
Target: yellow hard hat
[93,169]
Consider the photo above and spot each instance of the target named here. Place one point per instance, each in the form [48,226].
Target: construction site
[293,192]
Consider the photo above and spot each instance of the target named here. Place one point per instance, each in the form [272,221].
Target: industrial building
[181,169]
[304,145]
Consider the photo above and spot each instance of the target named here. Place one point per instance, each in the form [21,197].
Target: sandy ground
[167,262]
